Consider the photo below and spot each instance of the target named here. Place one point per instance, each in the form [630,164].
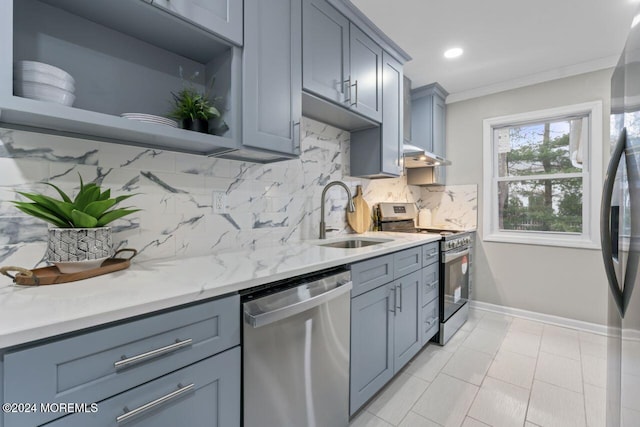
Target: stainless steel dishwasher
[296,352]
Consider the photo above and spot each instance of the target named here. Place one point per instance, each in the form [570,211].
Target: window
[543,176]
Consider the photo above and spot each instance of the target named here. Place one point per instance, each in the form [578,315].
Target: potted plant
[80,239]
[194,109]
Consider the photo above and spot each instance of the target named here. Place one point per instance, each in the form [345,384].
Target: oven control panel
[456,243]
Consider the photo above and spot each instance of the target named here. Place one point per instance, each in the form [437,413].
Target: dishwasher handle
[268,317]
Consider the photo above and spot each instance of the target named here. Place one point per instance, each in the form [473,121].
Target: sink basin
[353,243]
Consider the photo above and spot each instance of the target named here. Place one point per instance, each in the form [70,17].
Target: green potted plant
[193,109]
[80,239]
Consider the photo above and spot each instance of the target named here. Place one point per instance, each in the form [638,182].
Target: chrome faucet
[350,206]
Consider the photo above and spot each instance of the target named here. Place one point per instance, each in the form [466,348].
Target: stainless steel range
[455,264]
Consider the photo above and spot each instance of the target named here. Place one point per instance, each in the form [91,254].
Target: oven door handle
[448,257]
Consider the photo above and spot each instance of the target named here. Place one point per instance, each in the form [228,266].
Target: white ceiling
[507,43]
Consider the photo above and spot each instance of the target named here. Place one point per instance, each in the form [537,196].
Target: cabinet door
[365,84]
[206,394]
[422,121]
[407,319]
[392,114]
[325,50]
[439,136]
[222,17]
[371,344]
[272,75]
[406,118]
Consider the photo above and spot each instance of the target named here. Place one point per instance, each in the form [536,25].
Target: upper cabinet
[428,122]
[406,118]
[272,77]
[428,113]
[223,15]
[342,65]
[377,152]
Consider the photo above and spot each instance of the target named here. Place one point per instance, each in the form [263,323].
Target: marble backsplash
[266,204]
[452,206]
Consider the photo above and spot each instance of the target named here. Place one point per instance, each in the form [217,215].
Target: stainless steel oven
[455,275]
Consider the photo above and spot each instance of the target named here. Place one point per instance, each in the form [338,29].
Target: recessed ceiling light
[453,52]
[635,21]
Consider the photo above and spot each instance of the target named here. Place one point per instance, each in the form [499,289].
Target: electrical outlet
[219,202]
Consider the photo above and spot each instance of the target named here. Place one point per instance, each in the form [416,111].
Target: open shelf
[124,61]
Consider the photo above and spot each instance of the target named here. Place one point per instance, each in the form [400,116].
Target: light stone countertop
[32,313]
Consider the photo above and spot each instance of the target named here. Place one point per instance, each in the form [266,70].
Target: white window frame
[592,181]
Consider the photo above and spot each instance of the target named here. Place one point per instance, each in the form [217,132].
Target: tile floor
[498,371]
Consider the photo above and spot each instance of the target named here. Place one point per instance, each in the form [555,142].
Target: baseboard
[564,322]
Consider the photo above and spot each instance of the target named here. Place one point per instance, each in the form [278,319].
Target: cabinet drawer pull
[152,354]
[432,284]
[347,83]
[432,254]
[154,403]
[355,103]
[430,322]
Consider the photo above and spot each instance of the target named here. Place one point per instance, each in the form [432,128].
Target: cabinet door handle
[155,403]
[295,136]
[393,306]
[347,84]
[398,304]
[355,103]
[133,360]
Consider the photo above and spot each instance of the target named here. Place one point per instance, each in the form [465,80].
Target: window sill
[557,241]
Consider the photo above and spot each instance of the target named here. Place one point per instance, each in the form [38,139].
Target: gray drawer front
[370,274]
[407,261]
[81,368]
[430,280]
[430,321]
[430,253]
[213,401]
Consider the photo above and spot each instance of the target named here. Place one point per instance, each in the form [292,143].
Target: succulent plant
[91,207]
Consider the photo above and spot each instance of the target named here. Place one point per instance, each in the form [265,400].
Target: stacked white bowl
[44,82]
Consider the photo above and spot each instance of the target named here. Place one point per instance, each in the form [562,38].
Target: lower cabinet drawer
[430,253]
[206,394]
[407,261]
[430,281]
[370,274]
[99,364]
[430,321]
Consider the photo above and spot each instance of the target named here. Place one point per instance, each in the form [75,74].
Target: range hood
[416,157]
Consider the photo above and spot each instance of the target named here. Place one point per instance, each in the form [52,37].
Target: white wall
[558,281]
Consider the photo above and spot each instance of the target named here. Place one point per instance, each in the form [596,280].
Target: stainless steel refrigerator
[620,235]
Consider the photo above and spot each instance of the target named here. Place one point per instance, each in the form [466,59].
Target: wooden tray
[52,276]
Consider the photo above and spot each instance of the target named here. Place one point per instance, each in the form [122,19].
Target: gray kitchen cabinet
[429,311]
[223,17]
[387,320]
[372,354]
[407,332]
[272,77]
[377,152]
[206,394]
[98,42]
[428,123]
[342,65]
[325,51]
[365,81]
[97,365]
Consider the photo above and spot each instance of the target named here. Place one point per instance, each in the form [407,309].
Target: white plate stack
[44,82]
[149,118]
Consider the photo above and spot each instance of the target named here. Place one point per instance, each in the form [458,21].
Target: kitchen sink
[353,243]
